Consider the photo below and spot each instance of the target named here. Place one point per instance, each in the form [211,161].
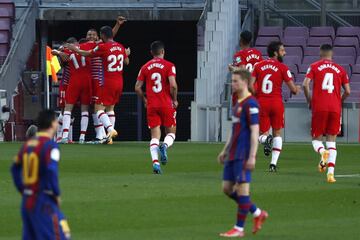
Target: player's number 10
[30,168]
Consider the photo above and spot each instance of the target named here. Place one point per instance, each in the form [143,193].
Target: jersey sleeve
[98,51]
[53,169]
[310,72]
[16,172]
[345,77]
[237,60]
[253,112]
[171,71]
[287,76]
[141,75]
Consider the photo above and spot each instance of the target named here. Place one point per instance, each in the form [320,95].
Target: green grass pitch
[109,192]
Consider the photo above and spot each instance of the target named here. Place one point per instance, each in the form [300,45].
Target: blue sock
[243,209]
[253,208]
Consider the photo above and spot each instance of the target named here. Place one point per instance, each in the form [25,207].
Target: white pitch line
[348,175]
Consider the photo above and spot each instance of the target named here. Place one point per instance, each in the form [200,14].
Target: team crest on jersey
[308,70]
[289,74]
[238,59]
[96,48]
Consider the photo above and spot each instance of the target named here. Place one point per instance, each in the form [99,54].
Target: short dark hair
[273,47]
[246,37]
[156,47]
[106,31]
[83,40]
[92,30]
[244,74]
[71,40]
[45,119]
[326,47]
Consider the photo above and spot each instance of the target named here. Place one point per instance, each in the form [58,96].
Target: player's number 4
[328,83]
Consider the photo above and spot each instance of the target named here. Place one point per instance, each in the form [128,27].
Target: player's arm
[346,93]
[140,92]
[84,53]
[254,142]
[306,87]
[223,154]
[173,90]
[16,172]
[119,21]
[53,169]
[295,89]
[64,57]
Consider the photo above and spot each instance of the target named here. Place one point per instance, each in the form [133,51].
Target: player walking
[113,56]
[35,174]
[160,101]
[268,77]
[239,154]
[325,103]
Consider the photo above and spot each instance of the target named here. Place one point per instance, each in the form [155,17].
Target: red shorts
[162,116]
[78,90]
[271,114]
[109,94]
[62,94]
[325,123]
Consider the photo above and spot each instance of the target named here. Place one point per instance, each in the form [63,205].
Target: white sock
[241,229]
[331,146]
[262,139]
[154,147]
[104,119]
[84,124]
[169,140]
[277,146]
[102,131]
[111,116]
[257,212]
[60,127]
[66,124]
[71,129]
[318,146]
[98,126]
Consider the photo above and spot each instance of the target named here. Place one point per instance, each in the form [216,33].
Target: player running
[247,57]
[113,56]
[325,103]
[160,101]
[268,77]
[35,174]
[239,154]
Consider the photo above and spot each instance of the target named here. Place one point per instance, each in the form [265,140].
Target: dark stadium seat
[347,42]
[4,48]
[286,92]
[311,51]
[355,78]
[296,32]
[294,42]
[292,60]
[264,41]
[271,31]
[345,51]
[355,68]
[344,59]
[348,32]
[358,60]
[310,59]
[322,32]
[318,41]
[263,50]
[300,78]
[4,36]
[7,10]
[293,68]
[347,69]
[5,24]
[300,97]
[294,51]
[303,68]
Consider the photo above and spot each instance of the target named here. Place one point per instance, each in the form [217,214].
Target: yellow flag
[52,64]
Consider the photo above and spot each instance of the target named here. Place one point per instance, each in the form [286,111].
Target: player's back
[270,75]
[247,57]
[156,73]
[328,77]
[78,65]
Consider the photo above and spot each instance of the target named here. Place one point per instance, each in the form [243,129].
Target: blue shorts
[44,221]
[234,171]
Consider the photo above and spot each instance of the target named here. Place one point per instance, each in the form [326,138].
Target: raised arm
[119,21]
[64,57]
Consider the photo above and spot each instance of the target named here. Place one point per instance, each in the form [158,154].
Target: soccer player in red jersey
[239,154]
[268,77]
[328,77]
[160,101]
[247,57]
[113,56]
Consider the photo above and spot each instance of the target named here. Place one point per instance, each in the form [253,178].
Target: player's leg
[71,130]
[332,129]
[60,127]
[154,148]
[277,123]
[318,128]
[265,138]
[168,119]
[112,120]
[104,119]
[99,128]
[276,150]
[66,122]
[84,123]
[28,229]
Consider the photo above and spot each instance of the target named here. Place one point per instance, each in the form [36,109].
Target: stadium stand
[7,14]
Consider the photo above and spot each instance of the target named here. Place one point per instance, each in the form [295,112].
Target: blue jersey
[35,170]
[245,113]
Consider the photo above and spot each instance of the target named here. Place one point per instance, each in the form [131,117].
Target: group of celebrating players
[253,116]
[94,72]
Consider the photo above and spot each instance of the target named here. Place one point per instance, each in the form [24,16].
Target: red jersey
[270,75]
[155,73]
[113,56]
[328,78]
[79,66]
[248,58]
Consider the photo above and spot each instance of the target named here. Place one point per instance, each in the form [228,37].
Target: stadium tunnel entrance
[180,39]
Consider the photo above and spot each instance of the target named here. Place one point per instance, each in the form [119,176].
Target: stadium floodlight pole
[44,40]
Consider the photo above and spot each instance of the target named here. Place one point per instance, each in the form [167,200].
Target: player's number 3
[30,168]
[113,59]
[267,84]
[157,82]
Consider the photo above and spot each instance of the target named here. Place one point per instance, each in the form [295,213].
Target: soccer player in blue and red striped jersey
[35,174]
[239,154]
